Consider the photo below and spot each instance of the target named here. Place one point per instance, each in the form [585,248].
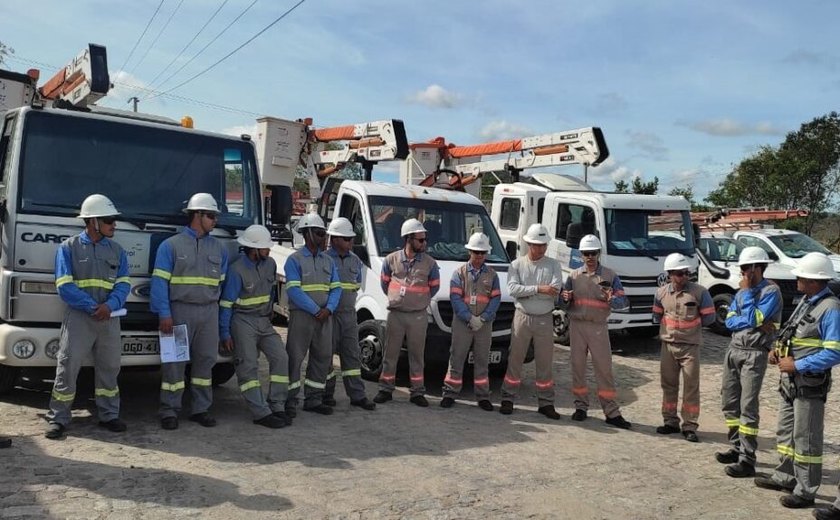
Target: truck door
[570,221]
[511,223]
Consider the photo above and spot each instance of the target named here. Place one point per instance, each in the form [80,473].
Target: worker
[591,291]
[475,295]
[91,276]
[682,308]
[754,316]
[345,327]
[410,278]
[535,282]
[314,291]
[809,345]
[186,283]
[245,328]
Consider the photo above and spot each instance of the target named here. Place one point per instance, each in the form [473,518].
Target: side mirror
[696,230]
[512,250]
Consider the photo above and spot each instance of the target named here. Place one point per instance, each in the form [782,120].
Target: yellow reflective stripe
[831,344]
[351,286]
[222,278]
[294,385]
[777,325]
[293,283]
[63,280]
[314,384]
[332,375]
[247,385]
[58,396]
[104,392]
[94,282]
[784,450]
[806,342]
[759,318]
[172,387]
[278,379]
[807,459]
[123,279]
[256,300]
[351,372]
[335,285]
[200,381]
[733,423]
[194,280]
[160,273]
[732,313]
[746,430]
[312,287]
[225,304]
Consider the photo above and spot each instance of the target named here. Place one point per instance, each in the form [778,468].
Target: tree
[645,188]
[687,193]
[5,51]
[622,186]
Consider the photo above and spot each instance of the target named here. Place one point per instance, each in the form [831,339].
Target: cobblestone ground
[399,461]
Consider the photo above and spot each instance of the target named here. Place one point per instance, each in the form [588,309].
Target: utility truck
[377,211]
[56,148]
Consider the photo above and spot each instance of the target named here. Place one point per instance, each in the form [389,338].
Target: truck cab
[784,245]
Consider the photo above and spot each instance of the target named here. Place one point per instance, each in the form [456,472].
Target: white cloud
[501,130]
[606,174]
[435,96]
[729,127]
[611,103]
[241,129]
[648,144]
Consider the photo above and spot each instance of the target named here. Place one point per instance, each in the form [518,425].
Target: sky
[682,90]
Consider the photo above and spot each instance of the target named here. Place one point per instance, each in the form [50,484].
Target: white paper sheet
[175,347]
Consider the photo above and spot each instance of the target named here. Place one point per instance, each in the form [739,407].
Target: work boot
[827,513]
[447,402]
[291,411]
[169,423]
[795,501]
[382,397]
[5,442]
[420,401]
[204,419]
[506,407]
[729,456]
[55,431]
[740,470]
[690,436]
[579,415]
[114,425]
[329,401]
[549,411]
[319,408]
[667,429]
[619,422]
[485,405]
[765,482]
[364,403]
[270,421]
[284,417]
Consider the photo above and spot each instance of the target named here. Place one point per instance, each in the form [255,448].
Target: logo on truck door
[46,238]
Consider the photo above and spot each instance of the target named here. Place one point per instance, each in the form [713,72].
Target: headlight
[38,288]
[23,349]
[51,350]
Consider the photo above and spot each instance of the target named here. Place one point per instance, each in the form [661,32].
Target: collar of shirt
[817,297]
[405,258]
[189,231]
[597,271]
[333,253]
[306,252]
[85,238]
[247,260]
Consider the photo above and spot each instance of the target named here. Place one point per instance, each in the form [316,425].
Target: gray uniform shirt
[525,276]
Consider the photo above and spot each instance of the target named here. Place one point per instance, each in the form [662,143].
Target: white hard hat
[411,226]
[753,255]
[537,234]
[478,242]
[341,227]
[310,220]
[677,262]
[815,266]
[589,243]
[97,205]
[202,202]
[257,237]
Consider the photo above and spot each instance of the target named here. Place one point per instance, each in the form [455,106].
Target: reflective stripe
[544,384]
[104,392]
[452,381]
[352,372]
[807,459]
[416,378]
[332,375]
[589,302]
[278,378]
[607,394]
[94,282]
[397,286]
[759,318]
[194,280]
[58,396]
[731,314]
[314,384]
[293,283]
[481,382]
[785,450]
[676,323]
[335,285]
[691,408]
[350,286]
[383,377]
[172,387]
[200,381]
[63,280]
[657,309]
[160,273]
[831,344]
[669,407]
[511,381]
[123,279]
[705,311]
[456,290]
[247,385]
[294,385]
[806,342]
[746,430]
[733,423]
[225,304]
[313,287]
[580,390]
[256,300]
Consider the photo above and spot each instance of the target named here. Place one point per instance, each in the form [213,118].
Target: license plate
[495,357]
[140,346]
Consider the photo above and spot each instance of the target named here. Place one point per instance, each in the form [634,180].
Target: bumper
[621,320]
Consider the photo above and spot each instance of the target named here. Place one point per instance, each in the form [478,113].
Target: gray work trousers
[252,335]
[410,327]
[202,322]
[743,373]
[463,338]
[677,359]
[592,338]
[81,335]
[346,345]
[799,441]
[540,329]
[307,334]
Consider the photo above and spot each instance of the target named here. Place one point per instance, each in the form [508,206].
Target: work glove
[476,323]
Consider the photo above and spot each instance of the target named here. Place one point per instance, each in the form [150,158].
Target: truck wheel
[8,378]
[222,372]
[561,327]
[722,302]
[371,348]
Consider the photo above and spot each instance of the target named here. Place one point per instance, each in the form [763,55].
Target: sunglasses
[678,273]
[479,253]
[107,220]
[346,239]
[211,216]
[589,253]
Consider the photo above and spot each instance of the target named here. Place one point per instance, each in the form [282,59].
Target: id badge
[473,300]
[402,290]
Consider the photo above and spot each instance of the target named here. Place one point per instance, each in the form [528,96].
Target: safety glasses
[678,273]
[211,216]
[107,220]
[589,253]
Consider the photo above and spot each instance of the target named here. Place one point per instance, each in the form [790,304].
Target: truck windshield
[148,171]
[632,232]
[449,226]
[797,245]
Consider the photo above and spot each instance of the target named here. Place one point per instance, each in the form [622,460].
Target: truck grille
[139,317]
[640,303]
[503,321]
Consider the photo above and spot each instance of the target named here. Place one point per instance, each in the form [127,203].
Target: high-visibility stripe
[481,382]
[332,375]
[160,273]
[200,381]
[397,286]
[785,450]
[495,292]
[315,287]
[104,392]
[256,300]
[455,290]
[607,394]
[730,314]
[705,311]
[350,286]
[759,318]
[733,423]
[589,302]
[314,384]
[293,283]
[691,408]
[194,280]
[94,282]
[172,387]
[806,342]
[294,385]
[831,344]
[416,378]
[247,385]
[434,283]
[123,279]
[746,430]
[335,285]
[807,459]
[669,407]
[580,390]
[511,381]
[675,323]
[58,396]
[619,292]
[61,280]
[226,304]
[352,372]
[385,278]
[387,379]
[658,310]
[276,378]
[452,381]
[544,384]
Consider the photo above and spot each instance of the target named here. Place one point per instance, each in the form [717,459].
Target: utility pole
[136,100]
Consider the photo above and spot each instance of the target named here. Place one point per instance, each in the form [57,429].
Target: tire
[222,372]
[643,332]
[371,348]
[561,327]
[8,378]
[721,302]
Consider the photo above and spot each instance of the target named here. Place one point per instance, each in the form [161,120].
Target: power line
[159,74]
[130,54]
[267,27]
[162,29]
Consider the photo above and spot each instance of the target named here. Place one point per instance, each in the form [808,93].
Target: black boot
[740,470]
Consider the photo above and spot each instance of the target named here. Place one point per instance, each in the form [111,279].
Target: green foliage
[622,187]
[645,188]
[687,193]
